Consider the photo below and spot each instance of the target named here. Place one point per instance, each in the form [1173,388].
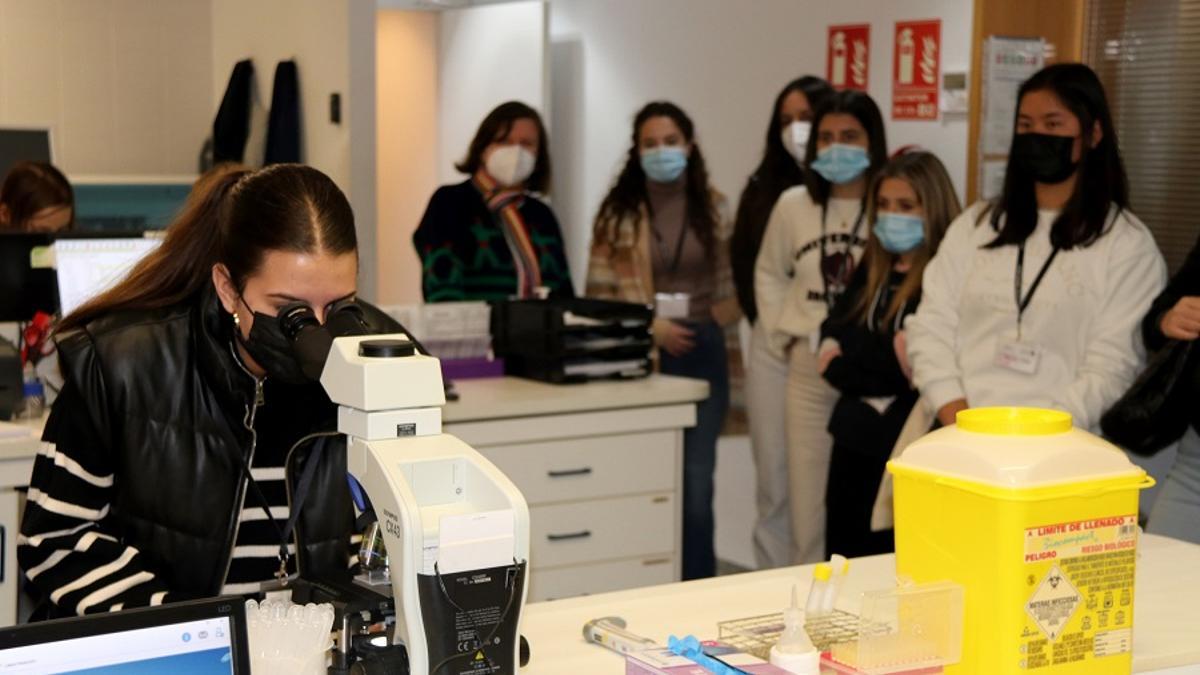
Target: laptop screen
[158,640]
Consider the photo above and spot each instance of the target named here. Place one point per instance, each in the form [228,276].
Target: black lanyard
[1022,304]
[683,232]
[845,272]
[302,489]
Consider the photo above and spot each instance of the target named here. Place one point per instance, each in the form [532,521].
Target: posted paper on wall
[916,69]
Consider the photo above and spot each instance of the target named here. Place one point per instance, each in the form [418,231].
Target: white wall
[313,32]
[487,55]
[407,123]
[723,62]
[333,45]
[359,112]
[124,83]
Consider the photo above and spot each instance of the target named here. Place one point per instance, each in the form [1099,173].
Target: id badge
[672,305]
[1020,357]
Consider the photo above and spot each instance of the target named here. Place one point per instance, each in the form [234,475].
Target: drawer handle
[656,561]
[582,534]
[584,471]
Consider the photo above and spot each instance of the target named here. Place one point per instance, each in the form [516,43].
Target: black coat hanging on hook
[231,127]
[283,123]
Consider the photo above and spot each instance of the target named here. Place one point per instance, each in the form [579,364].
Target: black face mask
[1044,158]
[271,348]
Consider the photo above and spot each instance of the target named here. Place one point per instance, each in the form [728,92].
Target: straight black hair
[496,126]
[778,170]
[1101,181]
[862,107]
[628,195]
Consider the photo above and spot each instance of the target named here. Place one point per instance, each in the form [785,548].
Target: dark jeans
[862,443]
[705,362]
[854,480]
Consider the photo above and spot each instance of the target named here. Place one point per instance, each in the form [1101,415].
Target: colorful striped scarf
[505,207]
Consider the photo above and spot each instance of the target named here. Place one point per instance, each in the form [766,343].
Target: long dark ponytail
[628,193]
[233,216]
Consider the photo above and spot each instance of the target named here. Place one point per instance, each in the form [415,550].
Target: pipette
[610,632]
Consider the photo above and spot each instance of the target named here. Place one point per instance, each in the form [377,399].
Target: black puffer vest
[169,401]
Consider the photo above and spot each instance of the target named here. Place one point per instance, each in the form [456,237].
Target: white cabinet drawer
[587,532]
[589,468]
[568,582]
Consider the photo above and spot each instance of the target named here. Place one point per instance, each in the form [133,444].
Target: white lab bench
[600,464]
[1166,610]
[16,461]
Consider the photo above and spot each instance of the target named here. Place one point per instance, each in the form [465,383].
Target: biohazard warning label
[1079,577]
[1053,603]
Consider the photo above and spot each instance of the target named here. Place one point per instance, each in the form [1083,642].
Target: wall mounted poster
[848,56]
[916,69]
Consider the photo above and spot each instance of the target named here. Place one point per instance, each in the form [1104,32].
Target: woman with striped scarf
[491,237]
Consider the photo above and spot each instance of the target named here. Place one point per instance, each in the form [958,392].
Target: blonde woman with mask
[863,351]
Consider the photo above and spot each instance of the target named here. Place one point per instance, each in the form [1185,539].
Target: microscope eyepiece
[295,317]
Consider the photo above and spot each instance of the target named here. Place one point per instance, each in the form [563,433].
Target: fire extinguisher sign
[848,56]
[916,70]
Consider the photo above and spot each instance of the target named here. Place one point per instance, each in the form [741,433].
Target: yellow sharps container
[1038,522]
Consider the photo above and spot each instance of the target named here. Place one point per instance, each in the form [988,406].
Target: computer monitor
[24,143]
[28,283]
[204,637]
[90,265]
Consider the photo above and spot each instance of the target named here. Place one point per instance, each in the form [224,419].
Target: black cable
[512,595]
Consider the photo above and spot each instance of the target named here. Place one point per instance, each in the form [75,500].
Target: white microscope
[456,529]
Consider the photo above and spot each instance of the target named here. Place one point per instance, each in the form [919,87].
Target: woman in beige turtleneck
[661,237]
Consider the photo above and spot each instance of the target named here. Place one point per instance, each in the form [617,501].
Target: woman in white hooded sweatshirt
[814,239]
[1036,299]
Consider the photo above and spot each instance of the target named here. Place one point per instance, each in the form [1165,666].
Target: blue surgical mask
[665,163]
[840,164]
[899,233]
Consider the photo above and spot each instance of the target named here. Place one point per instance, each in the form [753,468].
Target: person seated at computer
[36,197]
[172,459]
[491,237]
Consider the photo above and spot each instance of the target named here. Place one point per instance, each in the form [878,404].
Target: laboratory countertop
[483,400]
[509,397]
[14,444]
[1166,610]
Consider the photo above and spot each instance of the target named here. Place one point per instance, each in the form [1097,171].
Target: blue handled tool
[689,648]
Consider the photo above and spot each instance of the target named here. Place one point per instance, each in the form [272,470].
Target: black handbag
[1155,412]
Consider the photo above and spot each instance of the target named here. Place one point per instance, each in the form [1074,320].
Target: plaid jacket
[621,267]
